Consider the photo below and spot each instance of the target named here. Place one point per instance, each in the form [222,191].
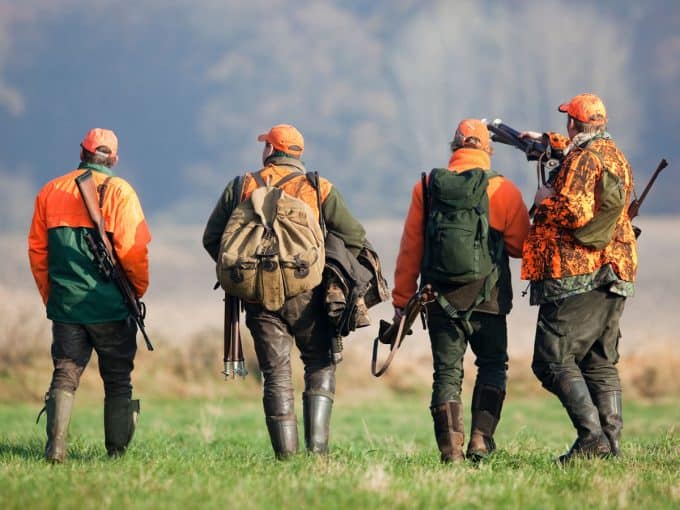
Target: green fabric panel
[212,234]
[78,292]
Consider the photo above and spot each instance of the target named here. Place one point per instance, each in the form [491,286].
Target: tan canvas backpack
[272,248]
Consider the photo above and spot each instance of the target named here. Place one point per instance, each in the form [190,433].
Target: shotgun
[634,207]
[234,363]
[104,254]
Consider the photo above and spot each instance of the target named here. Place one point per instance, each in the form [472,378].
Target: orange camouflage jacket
[550,251]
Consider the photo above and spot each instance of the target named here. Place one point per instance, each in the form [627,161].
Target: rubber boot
[58,405]
[487,402]
[283,434]
[611,418]
[316,411]
[448,429]
[591,441]
[120,421]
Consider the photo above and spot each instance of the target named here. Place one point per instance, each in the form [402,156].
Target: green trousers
[578,337]
[489,342]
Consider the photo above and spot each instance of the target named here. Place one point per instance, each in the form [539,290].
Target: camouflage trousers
[302,321]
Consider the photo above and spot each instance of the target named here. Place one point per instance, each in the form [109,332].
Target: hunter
[300,318]
[581,286]
[86,309]
[486,220]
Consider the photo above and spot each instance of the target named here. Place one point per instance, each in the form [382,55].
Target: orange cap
[587,108]
[472,128]
[286,138]
[97,137]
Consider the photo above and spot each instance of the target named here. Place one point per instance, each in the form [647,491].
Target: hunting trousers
[115,344]
[302,320]
[489,342]
[578,338]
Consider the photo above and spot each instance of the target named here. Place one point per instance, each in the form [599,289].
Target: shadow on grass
[35,451]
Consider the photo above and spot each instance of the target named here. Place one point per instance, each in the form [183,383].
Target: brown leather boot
[487,402]
[448,429]
[58,404]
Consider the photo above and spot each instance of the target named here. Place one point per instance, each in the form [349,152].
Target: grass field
[216,454]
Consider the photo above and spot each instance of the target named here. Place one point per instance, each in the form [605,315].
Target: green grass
[216,454]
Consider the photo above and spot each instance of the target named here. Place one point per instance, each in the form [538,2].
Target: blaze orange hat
[587,108]
[97,137]
[286,138]
[472,128]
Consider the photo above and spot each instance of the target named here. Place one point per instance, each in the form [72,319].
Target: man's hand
[542,193]
[531,134]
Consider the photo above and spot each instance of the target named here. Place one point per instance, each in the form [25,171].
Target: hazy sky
[376,88]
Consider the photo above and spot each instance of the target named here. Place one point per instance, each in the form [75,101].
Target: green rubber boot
[120,421]
[58,405]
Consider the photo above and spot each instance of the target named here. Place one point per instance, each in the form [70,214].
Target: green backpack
[458,245]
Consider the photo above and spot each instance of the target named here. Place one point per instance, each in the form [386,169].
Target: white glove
[542,193]
[531,134]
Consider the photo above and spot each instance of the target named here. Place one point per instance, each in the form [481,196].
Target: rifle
[104,254]
[547,158]
[394,333]
[234,363]
[634,207]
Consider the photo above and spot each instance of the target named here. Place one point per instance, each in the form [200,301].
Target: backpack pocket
[302,272]
[239,278]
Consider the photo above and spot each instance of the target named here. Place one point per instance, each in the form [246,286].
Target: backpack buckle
[269,264]
[301,268]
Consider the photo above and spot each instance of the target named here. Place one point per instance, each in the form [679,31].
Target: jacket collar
[97,168]
[465,159]
[284,161]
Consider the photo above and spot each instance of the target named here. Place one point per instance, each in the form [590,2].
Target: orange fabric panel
[507,214]
[298,187]
[59,204]
[551,251]
[37,249]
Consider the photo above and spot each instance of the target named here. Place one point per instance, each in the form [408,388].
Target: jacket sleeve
[37,249]
[573,204]
[508,202]
[410,251]
[212,235]
[340,221]
[131,236]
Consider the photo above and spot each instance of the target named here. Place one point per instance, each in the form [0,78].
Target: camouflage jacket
[550,251]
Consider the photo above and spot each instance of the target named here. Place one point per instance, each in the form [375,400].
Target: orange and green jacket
[67,277]
[507,215]
[336,214]
[550,251]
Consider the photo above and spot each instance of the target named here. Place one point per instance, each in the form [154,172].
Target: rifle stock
[104,254]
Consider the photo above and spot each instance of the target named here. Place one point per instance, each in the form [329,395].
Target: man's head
[472,134]
[100,146]
[283,138]
[587,114]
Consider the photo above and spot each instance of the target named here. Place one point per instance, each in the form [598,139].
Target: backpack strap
[287,178]
[259,180]
[313,178]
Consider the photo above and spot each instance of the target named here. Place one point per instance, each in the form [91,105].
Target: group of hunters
[273,233]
